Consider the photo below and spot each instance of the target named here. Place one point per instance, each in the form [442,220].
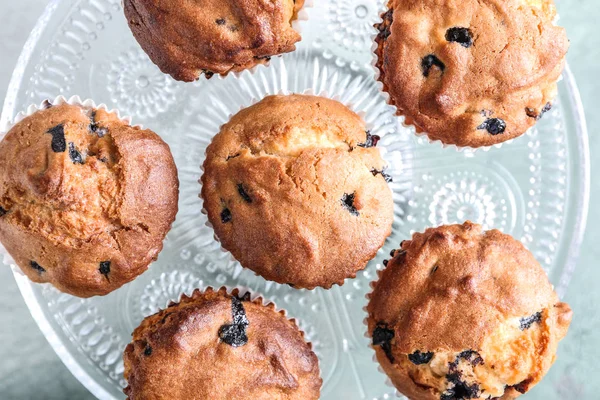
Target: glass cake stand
[535,187]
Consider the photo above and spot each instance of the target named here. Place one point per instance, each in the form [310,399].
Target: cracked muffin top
[471,72]
[187,38]
[85,199]
[459,313]
[213,345]
[296,190]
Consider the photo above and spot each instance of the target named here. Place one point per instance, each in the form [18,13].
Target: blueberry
[460,389]
[371,141]
[382,336]
[348,203]
[386,176]
[104,267]
[207,74]
[430,61]
[220,21]
[37,267]
[46,104]
[59,145]
[225,215]
[461,36]
[495,126]
[74,154]
[471,356]
[522,387]
[3,212]
[526,322]
[532,113]
[419,358]
[235,334]
[148,351]
[95,128]
[243,193]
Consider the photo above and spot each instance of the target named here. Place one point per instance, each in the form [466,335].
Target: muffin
[213,345]
[297,192]
[464,314]
[471,72]
[185,39]
[85,199]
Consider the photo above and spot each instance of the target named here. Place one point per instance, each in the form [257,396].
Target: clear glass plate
[535,188]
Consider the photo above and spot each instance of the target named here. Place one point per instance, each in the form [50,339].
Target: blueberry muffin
[464,314]
[85,199]
[297,192]
[471,72]
[188,38]
[213,345]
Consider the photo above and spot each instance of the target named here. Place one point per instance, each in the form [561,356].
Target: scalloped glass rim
[582,194]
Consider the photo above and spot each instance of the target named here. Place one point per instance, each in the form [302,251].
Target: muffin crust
[296,191]
[471,73]
[464,314]
[86,199]
[185,352]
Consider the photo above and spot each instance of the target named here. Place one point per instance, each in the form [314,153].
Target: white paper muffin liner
[401,117]
[373,285]
[253,101]
[32,109]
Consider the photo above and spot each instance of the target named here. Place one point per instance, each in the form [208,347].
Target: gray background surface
[29,369]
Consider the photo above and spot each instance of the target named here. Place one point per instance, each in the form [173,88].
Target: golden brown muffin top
[462,313]
[86,199]
[296,191]
[471,72]
[218,346]
[186,38]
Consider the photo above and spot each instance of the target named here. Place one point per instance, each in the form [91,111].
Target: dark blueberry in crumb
[94,127]
[220,21]
[207,74]
[37,267]
[235,334]
[243,193]
[460,390]
[348,203]
[75,154]
[526,322]
[495,126]
[471,356]
[225,215]
[2,212]
[46,104]
[522,387]
[382,336]
[371,141]
[267,58]
[148,351]
[386,176]
[430,61]
[104,267]
[419,358]
[459,35]
[59,144]
[385,262]
[392,253]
